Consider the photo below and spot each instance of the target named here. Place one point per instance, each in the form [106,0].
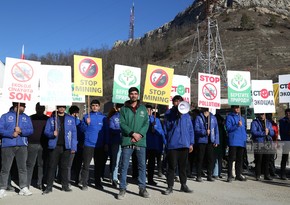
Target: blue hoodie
[284,125]
[156,139]
[178,129]
[7,125]
[237,136]
[95,132]
[258,132]
[114,129]
[70,132]
[201,130]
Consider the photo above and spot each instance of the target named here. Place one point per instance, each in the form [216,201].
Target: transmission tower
[132,18]
[207,53]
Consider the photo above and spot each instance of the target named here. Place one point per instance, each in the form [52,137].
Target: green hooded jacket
[131,122]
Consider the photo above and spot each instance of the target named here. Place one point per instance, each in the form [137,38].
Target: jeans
[235,154]
[88,154]
[177,162]
[71,159]
[62,155]
[217,170]
[141,158]
[115,160]
[34,155]
[205,149]
[152,157]
[8,154]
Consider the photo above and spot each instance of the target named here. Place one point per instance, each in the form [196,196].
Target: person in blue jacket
[207,137]
[262,132]
[180,139]
[115,142]
[284,125]
[14,145]
[60,129]
[155,140]
[94,128]
[237,138]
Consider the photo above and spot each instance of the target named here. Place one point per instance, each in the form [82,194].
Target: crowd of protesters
[194,144]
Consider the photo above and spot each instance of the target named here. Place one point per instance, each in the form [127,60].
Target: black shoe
[230,179]
[283,177]
[184,188]
[258,178]
[210,179]
[220,176]
[199,179]
[143,192]
[268,178]
[47,190]
[39,186]
[121,194]
[241,178]
[99,187]
[151,182]
[66,189]
[115,183]
[190,176]
[168,191]
[85,188]
[10,188]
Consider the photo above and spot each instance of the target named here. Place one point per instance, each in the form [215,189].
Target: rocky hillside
[255,36]
[261,47]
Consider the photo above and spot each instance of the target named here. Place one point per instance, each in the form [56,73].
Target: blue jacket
[155,139]
[178,129]
[95,132]
[7,125]
[284,126]
[258,132]
[200,129]
[237,136]
[115,129]
[70,132]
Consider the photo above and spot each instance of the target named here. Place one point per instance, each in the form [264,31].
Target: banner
[284,88]
[124,78]
[88,76]
[55,86]
[209,88]
[263,96]
[21,80]
[239,88]
[180,86]
[77,98]
[158,84]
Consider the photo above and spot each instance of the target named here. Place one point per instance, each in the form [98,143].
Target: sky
[53,26]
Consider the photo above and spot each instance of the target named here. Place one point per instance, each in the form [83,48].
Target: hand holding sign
[88,120]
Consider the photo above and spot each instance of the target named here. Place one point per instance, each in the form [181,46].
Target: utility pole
[207,52]
[132,19]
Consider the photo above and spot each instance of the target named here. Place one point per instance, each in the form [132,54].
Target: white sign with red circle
[284,88]
[209,91]
[21,80]
[263,96]
[159,78]
[88,68]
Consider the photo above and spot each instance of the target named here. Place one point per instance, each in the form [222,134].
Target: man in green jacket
[134,122]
